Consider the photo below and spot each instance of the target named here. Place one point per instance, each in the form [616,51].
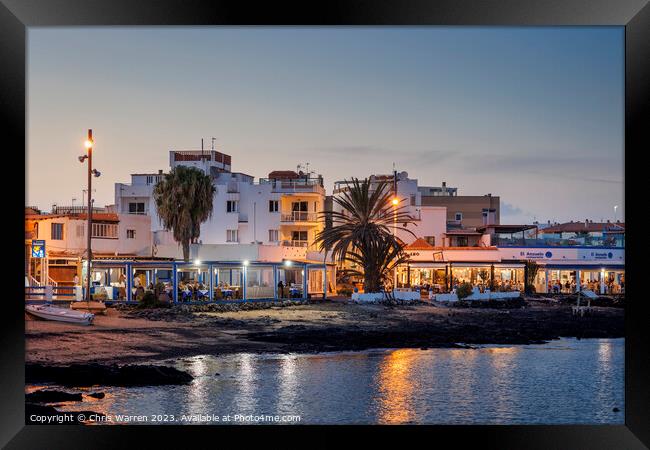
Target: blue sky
[534,115]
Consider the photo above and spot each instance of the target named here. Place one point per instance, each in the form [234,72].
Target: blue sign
[548,254]
[38,249]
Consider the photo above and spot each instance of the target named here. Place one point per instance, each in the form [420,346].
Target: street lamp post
[89,156]
[395,203]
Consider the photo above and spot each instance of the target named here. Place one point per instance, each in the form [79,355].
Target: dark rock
[107,375]
[217,374]
[97,395]
[51,396]
[615,409]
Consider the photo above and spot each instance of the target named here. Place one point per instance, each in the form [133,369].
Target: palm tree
[184,201]
[361,234]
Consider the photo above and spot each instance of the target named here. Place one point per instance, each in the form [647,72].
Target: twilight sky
[535,115]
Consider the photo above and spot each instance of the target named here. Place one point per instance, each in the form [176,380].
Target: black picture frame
[634,15]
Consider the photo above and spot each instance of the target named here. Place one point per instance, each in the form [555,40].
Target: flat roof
[507,228]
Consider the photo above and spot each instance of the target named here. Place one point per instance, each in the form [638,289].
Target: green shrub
[464,290]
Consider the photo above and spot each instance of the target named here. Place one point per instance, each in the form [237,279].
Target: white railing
[34,281]
[51,282]
[299,216]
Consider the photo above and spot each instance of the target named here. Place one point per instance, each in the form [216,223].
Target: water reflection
[396,387]
[288,384]
[566,382]
[247,382]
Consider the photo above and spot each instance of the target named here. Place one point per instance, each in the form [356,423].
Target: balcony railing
[291,243]
[75,210]
[299,216]
[610,241]
[296,185]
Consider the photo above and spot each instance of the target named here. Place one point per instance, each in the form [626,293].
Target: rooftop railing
[294,185]
[609,241]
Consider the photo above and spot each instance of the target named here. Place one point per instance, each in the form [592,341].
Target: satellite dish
[403,175]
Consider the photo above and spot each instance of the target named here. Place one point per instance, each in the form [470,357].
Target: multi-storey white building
[283,209]
[429,221]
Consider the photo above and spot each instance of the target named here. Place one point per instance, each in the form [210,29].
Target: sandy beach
[119,338]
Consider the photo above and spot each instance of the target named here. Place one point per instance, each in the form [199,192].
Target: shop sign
[38,249]
[535,255]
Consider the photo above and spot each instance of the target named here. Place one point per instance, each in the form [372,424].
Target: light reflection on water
[566,381]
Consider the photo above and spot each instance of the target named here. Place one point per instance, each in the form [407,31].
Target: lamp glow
[287,263]
[395,201]
[246,262]
[197,262]
[88,143]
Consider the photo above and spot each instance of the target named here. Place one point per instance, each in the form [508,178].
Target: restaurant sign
[38,249]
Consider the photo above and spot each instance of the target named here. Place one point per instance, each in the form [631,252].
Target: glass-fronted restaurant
[441,269]
[443,277]
[211,280]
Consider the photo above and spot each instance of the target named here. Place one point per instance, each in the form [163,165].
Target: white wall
[75,237]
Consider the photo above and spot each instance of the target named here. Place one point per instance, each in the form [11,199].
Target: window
[57,231]
[232,206]
[299,206]
[431,240]
[232,236]
[273,236]
[461,241]
[459,216]
[130,234]
[136,208]
[81,230]
[299,236]
[105,230]
[273,206]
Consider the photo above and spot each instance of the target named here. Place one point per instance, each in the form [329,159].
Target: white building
[283,209]
[65,238]
[430,222]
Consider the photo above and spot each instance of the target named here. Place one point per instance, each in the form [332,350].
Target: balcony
[299,186]
[299,216]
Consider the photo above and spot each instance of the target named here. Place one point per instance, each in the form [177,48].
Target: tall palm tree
[184,201]
[362,234]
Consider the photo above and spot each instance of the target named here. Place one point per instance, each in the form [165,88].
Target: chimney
[159,171]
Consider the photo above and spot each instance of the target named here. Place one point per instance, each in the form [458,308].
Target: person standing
[281,288]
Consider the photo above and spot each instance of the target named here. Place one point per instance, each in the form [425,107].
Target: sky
[533,115]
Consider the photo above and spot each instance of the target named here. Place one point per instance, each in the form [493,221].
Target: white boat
[50,312]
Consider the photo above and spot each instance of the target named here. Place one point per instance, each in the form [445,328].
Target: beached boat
[50,312]
[91,307]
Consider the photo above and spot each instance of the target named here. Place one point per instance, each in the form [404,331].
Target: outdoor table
[226,293]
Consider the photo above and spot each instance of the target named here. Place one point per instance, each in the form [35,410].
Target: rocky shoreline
[142,336]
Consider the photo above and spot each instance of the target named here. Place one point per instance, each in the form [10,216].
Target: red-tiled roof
[419,244]
[577,227]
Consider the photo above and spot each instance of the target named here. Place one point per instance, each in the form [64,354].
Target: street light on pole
[89,143]
[395,202]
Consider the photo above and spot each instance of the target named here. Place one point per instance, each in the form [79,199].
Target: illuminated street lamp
[395,202]
[89,143]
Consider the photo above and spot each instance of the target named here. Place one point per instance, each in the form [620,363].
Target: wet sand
[116,338]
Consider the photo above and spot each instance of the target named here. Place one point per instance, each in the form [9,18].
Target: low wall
[478,296]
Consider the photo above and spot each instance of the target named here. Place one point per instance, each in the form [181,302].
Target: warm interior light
[88,143]
[395,201]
